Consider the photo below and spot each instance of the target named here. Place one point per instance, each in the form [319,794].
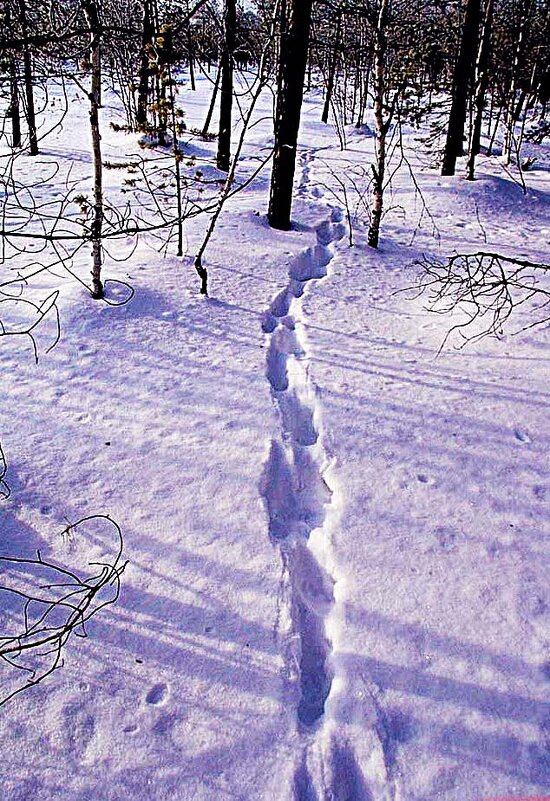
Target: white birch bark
[92,18]
[380,124]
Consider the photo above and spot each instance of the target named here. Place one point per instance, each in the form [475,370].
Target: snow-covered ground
[337,540]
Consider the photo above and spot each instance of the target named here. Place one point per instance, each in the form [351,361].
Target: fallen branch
[44,604]
[487,287]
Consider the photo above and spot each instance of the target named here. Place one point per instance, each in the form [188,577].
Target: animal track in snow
[522,435]
[330,771]
[347,779]
[158,694]
[304,789]
[293,484]
[77,731]
[301,509]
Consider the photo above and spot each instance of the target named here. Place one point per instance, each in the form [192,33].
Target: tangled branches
[487,288]
[42,604]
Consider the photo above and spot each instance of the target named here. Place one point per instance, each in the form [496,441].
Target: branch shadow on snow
[504,753]
[186,637]
[17,539]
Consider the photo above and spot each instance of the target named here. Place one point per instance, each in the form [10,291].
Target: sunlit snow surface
[338,541]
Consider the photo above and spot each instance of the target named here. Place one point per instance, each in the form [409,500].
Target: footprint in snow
[157,694]
[79,727]
[131,728]
[522,435]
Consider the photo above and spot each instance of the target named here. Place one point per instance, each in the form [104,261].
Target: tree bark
[332,67]
[513,107]
[191,59]
[482,81]
[208,119]
[292,68]
[92,18]
[381,125]
[462,78]
[14,111]
[223,157]
[27,75]
[144,71]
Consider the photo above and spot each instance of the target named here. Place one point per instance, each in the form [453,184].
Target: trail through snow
[303,502]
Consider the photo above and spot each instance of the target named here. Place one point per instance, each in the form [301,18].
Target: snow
[337,579]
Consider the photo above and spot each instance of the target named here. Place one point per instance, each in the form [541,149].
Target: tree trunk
[144,71]
[27,74]
[292,68]
[513,107]
[332,67]
[493,135]
[14,112]
[177,160]
[190,56]
[462,78]
[92,18]
[482,80]
[208,119]
[14,109]
[381,126]
[223,157]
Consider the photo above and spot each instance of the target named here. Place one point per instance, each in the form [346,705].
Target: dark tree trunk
[14,111]
[144,71]
[482,81]
[462,80]
[332,67]
[293,59]
[364,90]
[208,119]
[226,95]
[514,106]
[27,74]
[191,59]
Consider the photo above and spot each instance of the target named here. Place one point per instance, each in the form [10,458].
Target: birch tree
[381,123]
[90,10]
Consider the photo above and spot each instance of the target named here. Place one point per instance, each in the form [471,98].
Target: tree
[295,31]
[144,67]
[517,93]
[226,88]
[381,123]
[92,17]
[14,107]
[482,80]
[332,65]
[462,80]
